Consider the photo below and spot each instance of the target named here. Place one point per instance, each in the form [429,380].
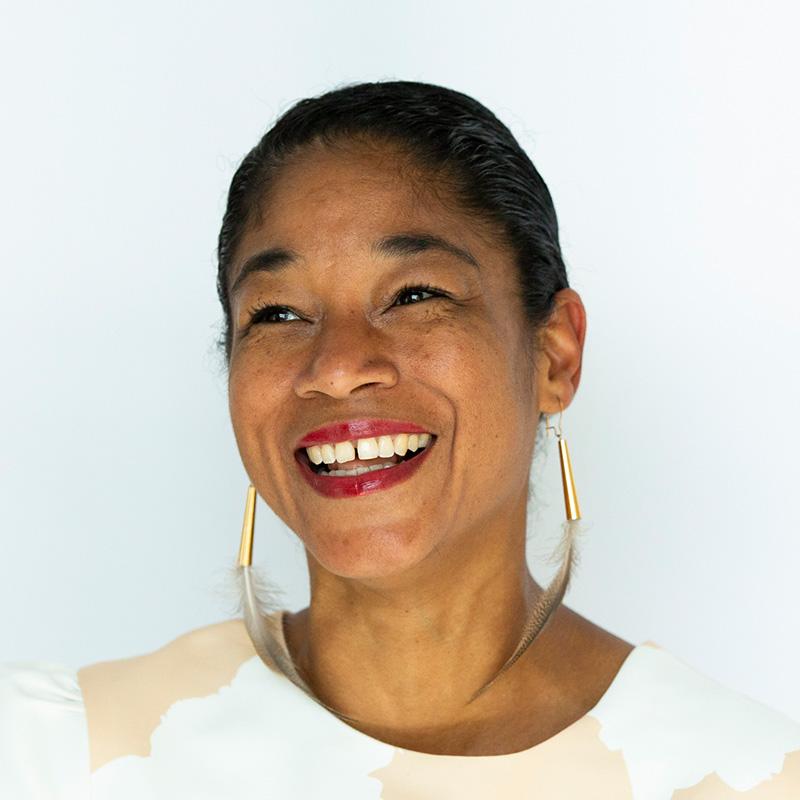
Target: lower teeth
[341,473]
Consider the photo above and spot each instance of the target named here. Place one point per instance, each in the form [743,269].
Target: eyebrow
[406,244]
[399,244]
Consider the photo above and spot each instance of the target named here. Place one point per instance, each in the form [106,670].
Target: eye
[267,314]
[264,314]
[417,289]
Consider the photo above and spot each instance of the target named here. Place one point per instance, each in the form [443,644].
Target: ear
[560,353]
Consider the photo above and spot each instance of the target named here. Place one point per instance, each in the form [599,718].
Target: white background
[668,135]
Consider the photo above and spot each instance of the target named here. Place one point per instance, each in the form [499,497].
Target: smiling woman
[398,328]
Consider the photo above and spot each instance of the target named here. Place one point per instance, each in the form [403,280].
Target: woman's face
[345,345]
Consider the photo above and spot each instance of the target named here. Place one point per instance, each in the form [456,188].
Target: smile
[343,469]
[386,451]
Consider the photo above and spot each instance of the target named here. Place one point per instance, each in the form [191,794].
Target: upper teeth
[376,447]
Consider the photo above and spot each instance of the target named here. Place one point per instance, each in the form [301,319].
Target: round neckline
[281,614]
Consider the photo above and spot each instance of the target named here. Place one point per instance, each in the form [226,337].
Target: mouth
[352,477]
[357,466]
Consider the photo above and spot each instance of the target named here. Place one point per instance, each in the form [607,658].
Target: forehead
[345,183]
[328,201]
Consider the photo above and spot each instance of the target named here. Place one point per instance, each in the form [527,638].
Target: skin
[420,592]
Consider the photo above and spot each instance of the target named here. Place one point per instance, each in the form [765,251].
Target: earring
[573,510]
[262,627]
[566,552]
[246,544]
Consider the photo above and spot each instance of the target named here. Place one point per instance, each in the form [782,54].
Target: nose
[347,356]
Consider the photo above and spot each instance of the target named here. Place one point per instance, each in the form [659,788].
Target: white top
[661,730]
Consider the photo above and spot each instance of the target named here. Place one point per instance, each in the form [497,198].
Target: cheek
[254,395]
[243,388]
[473,365]
[256,378]
[240,391]
[482,377]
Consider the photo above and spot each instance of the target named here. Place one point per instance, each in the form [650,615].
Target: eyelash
[259,314]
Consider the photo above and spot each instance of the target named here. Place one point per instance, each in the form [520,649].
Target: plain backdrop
[668,135]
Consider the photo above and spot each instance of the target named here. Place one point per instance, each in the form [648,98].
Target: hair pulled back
[447,133]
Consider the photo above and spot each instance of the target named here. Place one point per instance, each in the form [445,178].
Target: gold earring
[264,629]
[246,544]
[566,551]
[573,510]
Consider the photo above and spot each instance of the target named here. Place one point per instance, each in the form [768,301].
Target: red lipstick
[356,485]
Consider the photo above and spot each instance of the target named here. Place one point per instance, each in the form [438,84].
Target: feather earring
[259,609]
[565,552]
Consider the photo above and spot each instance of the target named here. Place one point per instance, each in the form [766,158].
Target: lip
[358,429]
[357,485]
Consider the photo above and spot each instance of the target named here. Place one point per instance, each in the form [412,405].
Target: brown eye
[420,289]
[266,314]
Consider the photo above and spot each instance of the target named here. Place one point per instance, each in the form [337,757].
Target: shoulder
[706,738]
[43,741]
[125,699]
[59,724]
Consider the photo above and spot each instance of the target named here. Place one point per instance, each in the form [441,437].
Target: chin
[370,553]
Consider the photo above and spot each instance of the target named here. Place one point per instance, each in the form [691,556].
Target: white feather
[259,606]
[567,553]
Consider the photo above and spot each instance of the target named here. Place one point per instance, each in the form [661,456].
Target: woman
[399,327]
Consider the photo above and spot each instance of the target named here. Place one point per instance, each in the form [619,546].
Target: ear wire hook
[549,427]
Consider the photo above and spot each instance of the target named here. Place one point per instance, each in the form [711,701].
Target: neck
[405,654]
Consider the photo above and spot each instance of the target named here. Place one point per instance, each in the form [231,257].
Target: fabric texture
[43,737]
[661,731]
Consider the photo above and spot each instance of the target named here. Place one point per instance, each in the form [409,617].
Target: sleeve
[44,744]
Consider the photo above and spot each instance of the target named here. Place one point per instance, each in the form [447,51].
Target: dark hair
[446,132]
